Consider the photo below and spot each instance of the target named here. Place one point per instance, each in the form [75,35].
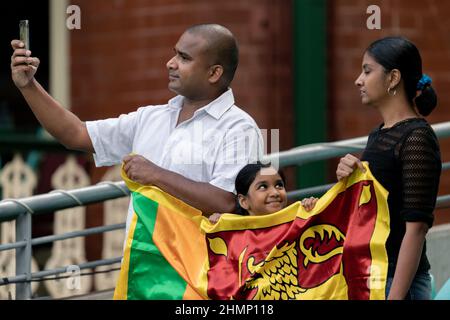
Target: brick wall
[119,55]
[426,23]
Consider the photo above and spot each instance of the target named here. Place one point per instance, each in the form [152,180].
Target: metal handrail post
[23,255]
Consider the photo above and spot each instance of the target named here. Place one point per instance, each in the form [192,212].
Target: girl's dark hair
[246,177]
[400,53]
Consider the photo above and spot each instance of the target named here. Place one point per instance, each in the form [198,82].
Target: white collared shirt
[212,146]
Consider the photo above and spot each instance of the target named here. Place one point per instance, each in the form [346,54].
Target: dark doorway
[15,115]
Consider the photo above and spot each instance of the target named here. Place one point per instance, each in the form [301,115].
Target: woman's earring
[391,94]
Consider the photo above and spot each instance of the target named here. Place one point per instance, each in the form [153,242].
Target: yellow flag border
[121,290]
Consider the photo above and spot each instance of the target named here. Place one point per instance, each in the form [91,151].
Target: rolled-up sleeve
[112,138]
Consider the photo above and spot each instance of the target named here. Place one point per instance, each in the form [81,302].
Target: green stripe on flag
[150,275]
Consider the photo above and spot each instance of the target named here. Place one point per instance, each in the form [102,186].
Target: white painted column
[59,53]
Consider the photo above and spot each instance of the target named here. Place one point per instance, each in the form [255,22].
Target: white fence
[18,181]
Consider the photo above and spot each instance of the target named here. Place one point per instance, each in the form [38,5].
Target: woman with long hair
[403,155]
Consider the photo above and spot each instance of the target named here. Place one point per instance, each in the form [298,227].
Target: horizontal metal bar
[317,151]
[57,201]
[86,265]
[74,234]
[321,151]
[68,235]
[307,192]
[441,201]
[11,280]
[14,245]
[445,166]
[45,273]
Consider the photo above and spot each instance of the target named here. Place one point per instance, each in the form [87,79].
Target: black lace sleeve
[421,169]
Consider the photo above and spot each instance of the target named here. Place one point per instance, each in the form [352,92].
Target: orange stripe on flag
[184,247]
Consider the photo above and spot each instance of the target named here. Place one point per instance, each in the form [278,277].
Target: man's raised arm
[62,124]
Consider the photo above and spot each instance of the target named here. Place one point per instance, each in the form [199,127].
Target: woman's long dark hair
[246,177]
[401,54]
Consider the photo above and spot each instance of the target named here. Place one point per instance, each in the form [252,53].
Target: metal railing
[22,209]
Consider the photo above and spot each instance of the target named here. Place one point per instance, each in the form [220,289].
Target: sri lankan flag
[335,251]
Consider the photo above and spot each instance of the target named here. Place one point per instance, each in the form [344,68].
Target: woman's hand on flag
[347,165]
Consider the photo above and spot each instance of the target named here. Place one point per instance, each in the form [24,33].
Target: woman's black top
[405,159]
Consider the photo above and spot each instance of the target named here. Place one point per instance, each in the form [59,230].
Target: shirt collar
[215,108]
[176,102]
[218,107]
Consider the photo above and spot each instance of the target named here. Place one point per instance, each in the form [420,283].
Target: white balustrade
[114,212]
[70,252]
[18,180]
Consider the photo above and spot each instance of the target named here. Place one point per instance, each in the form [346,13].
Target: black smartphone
[25,33]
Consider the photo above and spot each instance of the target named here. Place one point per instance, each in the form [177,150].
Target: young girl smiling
[261,190]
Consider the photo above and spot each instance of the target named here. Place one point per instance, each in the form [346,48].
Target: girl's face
[373,82]
[266,194]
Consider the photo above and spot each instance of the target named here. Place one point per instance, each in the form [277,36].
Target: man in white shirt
[193,147]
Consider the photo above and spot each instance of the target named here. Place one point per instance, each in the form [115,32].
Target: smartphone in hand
[25,33]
